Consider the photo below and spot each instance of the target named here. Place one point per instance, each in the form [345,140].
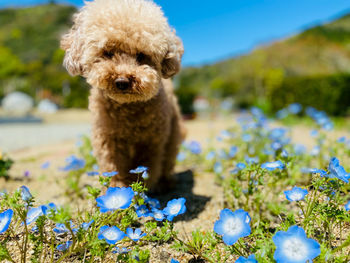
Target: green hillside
[317,55]
[312,67]
[30,58]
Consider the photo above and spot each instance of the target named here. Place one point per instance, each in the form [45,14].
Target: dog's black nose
[122,83]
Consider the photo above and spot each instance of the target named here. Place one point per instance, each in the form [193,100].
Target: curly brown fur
[126,50]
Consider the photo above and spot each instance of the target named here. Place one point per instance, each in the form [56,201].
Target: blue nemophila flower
[64,246]
[281,114]
[109,174]
[250,259]
[293,246]
[86,226]
[138,170]
[247,137]
[73,163]
[152,202]
[315,150]
[60,228]
[145,175]
[174,261]
[277,134]
[271,166]
[115,198]
[276,146]
[122,250]
[34,213]
[51,208]
[347,206]
[218,168]
[135,235]
[26,173]
[313,133]
[284,154]
[195,147]
[181,156]
[299,149]
[142,211]
[225,134]
[210,156]
[232,225]
[320,117]
[252,160]
[111,234]
[341,139]
[219,138]
[92,173]
[45,165]
[294,108]
[337,171]
[233,151]
[222,154]
[296,194]
[25,193]
[313,171]
[328,126]
[174,208]
[257,112]
[5,220]
[240,166]
[158,215]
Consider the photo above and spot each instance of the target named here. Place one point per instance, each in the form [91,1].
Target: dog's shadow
[184,188]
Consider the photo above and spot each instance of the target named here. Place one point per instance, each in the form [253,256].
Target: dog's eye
[108,53]
[141,58]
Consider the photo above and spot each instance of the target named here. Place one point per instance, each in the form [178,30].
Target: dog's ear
[72,44]
[171,63]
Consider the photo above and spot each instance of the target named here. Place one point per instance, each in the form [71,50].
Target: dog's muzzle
[122,83]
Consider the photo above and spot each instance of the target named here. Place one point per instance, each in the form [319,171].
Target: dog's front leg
[104,151]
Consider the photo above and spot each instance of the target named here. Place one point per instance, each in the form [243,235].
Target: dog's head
[123,47]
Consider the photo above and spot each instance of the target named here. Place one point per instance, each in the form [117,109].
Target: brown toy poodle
[126,50]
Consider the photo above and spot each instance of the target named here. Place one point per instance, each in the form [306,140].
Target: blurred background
[238,54]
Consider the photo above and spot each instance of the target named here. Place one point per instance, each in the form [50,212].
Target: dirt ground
[204,197]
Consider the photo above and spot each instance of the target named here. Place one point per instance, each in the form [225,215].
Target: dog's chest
[142,121]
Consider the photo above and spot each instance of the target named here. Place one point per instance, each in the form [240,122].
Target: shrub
[328,93]
[5,165]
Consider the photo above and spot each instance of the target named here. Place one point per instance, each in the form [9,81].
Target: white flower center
[233,226]
[110,234]
[175,209]
[134,236]
[273,165]
[3,222]
[296,196]
[295,249]
[157,215]
[37,212]
[115,202]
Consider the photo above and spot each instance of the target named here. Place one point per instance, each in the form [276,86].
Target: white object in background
[47,106]
[17,103]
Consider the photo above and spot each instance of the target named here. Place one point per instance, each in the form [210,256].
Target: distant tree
[10,64]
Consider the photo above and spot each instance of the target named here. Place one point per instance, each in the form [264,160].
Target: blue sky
[214,30]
